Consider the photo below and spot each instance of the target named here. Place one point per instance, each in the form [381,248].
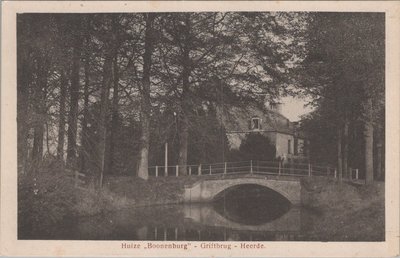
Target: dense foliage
[105,92]
[254,147]
[344,73]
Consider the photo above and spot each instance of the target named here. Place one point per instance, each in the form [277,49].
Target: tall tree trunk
[61,122]
[84,136]
[145,100]
[74,98]
[114,118]
[346,148]
[379,156]
[185,106]
[368,141]
[37,152]
[84,149]
[40,110]
[102,126]
[339,153]
[183,144]
[23,82]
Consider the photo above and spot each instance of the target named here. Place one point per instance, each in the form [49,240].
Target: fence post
[225,168]
[357,173]
[190,170]
[309,169]
[156,171]
[210,169]
[279,168]
[199,172]
[335,173]
[166,171]
[177,170]
[251,166]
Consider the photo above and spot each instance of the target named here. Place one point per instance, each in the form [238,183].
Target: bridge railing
[247,167]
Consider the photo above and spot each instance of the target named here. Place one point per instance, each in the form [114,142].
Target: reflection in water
[250,204]
[243,214]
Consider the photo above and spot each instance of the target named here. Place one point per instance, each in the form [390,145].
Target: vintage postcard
[200,129]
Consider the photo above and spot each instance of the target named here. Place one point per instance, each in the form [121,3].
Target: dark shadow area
[250,204]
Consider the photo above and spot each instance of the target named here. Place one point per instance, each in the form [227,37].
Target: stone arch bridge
[205,190]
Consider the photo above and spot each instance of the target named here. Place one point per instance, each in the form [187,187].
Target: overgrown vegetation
[49,197]
[343,211]
[254,146]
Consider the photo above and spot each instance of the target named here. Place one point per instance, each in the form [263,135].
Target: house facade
[289,141]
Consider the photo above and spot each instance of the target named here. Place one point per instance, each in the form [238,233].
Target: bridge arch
[206,190]
[240,184]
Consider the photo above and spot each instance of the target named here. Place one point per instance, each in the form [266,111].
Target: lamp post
[166,153]
[166,159]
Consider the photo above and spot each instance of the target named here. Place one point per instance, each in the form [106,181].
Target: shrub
[44,198]
[254,147]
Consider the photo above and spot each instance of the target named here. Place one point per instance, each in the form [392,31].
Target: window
[289,145]
[255,123]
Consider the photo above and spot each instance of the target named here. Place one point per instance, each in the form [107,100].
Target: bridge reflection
[196,222]
[207,215]
[203,223]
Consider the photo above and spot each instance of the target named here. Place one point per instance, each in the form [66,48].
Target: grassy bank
[154,191]
[120,192]
[49,198]
[343,212]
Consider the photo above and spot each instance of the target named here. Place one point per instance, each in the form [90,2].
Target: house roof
[238,119]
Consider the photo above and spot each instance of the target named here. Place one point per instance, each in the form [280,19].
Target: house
[290,142]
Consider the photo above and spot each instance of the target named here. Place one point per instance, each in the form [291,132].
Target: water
[243,213]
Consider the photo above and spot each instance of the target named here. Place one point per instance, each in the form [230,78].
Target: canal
[242,213]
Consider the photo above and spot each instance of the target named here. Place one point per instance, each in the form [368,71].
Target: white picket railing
[248,167]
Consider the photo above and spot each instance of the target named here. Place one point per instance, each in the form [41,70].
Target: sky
[293,108]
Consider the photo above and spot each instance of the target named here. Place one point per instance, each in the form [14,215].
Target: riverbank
[343,212]
[122,192]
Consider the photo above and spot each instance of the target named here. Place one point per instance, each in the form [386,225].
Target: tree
[345,68]
[145,97]
[74,90]
[61,123]
[194,65]
[216,60]
[24,82]
[254,146]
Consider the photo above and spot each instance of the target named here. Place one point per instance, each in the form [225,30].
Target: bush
[254,147]
[44,199]
[91,202]
[47,197]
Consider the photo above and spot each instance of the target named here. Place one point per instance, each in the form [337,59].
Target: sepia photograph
[212,130]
